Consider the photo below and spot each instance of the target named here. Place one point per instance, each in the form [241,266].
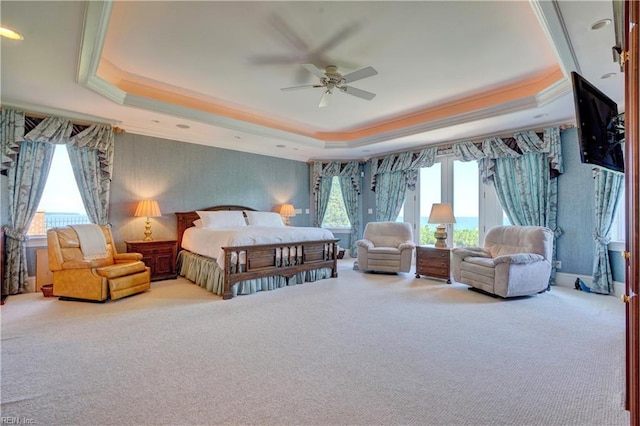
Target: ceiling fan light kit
[331,79]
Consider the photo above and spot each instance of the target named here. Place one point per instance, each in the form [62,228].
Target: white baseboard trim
[31,282]
[568,280]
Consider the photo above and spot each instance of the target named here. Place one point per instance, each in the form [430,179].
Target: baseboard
[31,283]
[568,280]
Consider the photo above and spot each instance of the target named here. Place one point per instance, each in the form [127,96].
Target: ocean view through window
[61,203]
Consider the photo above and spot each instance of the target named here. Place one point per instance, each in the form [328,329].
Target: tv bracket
[615,130]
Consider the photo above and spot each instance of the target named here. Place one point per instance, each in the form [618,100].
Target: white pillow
[197,223]
[222,219]
[264,219]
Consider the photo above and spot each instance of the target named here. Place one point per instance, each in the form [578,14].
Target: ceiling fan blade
[325,98]
[314,70]
[337,38]
[358,92]
[308,86]
[360,74]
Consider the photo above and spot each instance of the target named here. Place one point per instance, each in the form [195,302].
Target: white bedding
[209,242]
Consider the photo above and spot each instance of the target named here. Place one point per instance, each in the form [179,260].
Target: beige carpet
[359,349]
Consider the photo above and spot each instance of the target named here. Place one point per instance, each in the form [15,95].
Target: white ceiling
[447,71]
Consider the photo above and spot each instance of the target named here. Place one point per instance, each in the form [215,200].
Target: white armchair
[515,261]
[386,247]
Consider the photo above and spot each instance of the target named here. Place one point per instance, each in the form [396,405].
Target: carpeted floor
[360,349]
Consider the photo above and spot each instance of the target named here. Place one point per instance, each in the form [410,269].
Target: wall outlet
[558,264]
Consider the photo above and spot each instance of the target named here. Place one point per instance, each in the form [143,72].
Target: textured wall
[576,209]
[183,177]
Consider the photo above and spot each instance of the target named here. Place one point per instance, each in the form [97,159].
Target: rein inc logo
[16,420]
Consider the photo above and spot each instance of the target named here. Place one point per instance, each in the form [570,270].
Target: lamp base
[441,236]
[147,230]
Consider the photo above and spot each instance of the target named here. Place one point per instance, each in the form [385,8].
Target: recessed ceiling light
[281,146]
[600,24]
[608,75]
[236,137]
[540,115]
[155,121]
[182,126]
[10,34]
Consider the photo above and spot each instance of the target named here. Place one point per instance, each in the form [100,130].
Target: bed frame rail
[285,260]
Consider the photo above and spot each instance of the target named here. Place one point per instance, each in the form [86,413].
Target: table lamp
[147,208]
[442,214]
[287,212]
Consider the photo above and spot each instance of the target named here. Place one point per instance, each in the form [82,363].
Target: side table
[159,255]
[433,262]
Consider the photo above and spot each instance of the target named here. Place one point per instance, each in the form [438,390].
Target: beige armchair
[515,261]
[386,247]
[113,276]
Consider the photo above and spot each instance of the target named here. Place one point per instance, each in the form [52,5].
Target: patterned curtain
[392,175]
[321,177]
[390,194]
[91,155]
[26,159]
[351,195]
[27,178]
[608,186]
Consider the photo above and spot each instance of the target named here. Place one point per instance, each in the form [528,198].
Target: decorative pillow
[197,223]
[222,219]
[264,219]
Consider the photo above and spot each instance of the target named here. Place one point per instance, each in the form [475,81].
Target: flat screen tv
[600,129]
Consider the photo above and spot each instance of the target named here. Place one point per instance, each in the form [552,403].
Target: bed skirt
[206,272]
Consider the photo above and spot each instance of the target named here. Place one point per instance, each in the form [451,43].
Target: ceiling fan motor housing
[333,77]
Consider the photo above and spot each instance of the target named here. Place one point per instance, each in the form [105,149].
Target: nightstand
[433,262]
[159,255]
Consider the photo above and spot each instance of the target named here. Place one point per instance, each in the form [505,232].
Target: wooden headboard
[185,219]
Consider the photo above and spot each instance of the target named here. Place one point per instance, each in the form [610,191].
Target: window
[336,214]
[475,204]
[61,203]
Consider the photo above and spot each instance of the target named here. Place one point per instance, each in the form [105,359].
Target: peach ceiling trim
[527,88]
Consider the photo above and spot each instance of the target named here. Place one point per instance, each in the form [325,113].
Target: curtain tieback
[600,239]
[557,232]
[14,234]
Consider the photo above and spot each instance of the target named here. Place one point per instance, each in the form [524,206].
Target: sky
[61,192]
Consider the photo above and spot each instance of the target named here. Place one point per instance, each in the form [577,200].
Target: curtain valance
[351,169]
[490,149]
[407,162]
[16,128]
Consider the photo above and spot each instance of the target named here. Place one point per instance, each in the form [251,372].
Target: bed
[246,261]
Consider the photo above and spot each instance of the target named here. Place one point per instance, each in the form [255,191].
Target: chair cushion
[121,269]
[384,250]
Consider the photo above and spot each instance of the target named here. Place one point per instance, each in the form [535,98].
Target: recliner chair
[386,247]
[114,276]
[515,261]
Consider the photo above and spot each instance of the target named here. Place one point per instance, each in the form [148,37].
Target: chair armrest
[519,258]
[464,252]
[407,245]
[365,244]
[126,257]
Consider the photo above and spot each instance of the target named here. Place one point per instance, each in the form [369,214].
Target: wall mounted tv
[600,128]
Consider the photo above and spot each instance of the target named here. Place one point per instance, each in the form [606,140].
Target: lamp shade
[148,208]
[441,213]
[287,210]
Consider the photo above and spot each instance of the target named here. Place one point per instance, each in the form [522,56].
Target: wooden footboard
[286,260]
[243,263]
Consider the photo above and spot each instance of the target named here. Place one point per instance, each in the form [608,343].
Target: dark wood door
[632,173]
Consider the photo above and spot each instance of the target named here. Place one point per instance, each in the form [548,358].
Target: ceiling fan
[331,79]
